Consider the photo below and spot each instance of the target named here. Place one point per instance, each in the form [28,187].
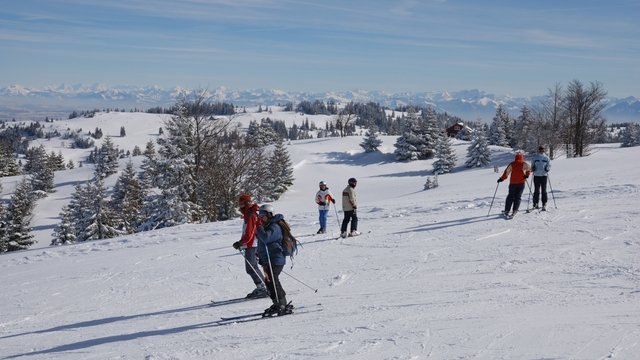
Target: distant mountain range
[27,103]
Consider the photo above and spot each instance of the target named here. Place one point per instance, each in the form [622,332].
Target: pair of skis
[260,315]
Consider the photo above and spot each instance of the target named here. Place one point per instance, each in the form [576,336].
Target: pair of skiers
[519,171]
[349,206]
[261,224]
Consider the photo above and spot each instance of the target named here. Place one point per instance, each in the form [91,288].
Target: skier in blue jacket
[540,164]
[272,258]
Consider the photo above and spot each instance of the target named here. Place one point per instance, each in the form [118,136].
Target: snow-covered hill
[434,276]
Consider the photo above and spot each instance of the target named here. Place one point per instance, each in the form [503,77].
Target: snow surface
[433,276]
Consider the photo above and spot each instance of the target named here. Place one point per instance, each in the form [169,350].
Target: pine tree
[127,200]
[100,224]
[630,135]
[106,159]
[281,172]
[19,213]
[164,210]
[409,144]
[8,165]
[478,153]
[430,134]
[65,232]
[40,170]
[447,158]
[371,143]
[497,130]
[524,132]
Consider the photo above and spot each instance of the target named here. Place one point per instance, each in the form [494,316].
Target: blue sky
[518,48]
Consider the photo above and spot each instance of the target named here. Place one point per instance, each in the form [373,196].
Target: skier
[249,246]
[323,197]
[541,164]
[272,259]
[519,170]
[349,206]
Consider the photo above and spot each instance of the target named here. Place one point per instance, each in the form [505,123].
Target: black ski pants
[349,216]
[272,280]
[513,198]
[539,186]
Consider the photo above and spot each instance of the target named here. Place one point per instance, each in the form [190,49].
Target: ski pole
[300,281]
[271,276]
[253,268]
[337,218]
[551,188]
[528,197]
[494,196]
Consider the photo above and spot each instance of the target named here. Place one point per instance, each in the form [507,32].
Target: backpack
[289,242]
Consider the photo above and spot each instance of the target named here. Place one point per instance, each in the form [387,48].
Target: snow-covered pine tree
[19,213]
[478,153]
[447,158]
[497,131]
[41,174]
[408,145]
[101,222]
[8,165]
[106,159]
[3,227]
[65,232]
[280,170]
[630,135]
[261,134]
[524,137]
[371,142]
[127,200]
[164,210]
[429,133]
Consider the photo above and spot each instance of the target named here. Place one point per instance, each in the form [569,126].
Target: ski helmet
[323,183]
[267,209]
[352,181]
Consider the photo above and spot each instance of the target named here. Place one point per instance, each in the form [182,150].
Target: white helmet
[323,183]
[266,208]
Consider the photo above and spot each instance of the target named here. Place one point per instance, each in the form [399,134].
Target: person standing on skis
[324,200]
[541,164]
[349,206]
[519,171]
[248,246]
[272,258]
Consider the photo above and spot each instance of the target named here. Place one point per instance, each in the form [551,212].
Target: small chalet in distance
[454,129]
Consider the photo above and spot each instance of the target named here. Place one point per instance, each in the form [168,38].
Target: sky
[436,274]
[518,48]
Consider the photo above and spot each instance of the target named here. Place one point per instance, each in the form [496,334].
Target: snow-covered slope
[434,276]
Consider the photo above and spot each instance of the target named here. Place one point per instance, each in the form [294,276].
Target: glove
[333,201]
[322,203]
[236,245]
[500,180]
[526,176]
[354,207]
[533,168]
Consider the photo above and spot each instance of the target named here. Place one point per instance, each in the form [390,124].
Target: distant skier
[272,258]
[324,200]
[519,171]
[349,206]
[248,245]
[541,164]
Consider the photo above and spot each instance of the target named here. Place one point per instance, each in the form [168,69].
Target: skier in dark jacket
[272,259]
